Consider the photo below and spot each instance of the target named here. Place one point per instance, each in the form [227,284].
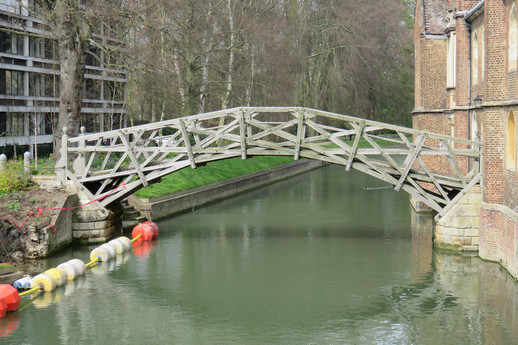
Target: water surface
[327,257]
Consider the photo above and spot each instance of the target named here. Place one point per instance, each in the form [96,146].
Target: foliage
[212,172]
[13,178]
[349,57]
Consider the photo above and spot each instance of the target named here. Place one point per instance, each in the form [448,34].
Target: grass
[212,172]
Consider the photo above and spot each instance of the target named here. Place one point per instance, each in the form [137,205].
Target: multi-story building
[29,80]
[466,55]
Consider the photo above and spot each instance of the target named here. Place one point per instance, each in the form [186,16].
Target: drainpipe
[468,27]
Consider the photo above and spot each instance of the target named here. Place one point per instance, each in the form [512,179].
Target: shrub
[13,179]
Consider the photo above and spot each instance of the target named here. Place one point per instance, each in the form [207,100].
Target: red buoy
[9,324]
[154,227]
[144,249]
[3,307]
[11,296]
[143,229]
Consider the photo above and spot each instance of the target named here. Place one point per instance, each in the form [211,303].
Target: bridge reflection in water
[314,259]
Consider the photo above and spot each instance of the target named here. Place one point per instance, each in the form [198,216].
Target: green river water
[316,259]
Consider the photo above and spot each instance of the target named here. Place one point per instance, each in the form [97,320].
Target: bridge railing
[430,166]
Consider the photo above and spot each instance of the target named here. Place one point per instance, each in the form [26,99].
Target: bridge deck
[436,169]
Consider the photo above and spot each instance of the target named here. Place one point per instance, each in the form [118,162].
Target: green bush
[13,179]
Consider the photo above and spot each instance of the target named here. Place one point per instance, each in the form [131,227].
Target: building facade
[466,55]
[29,80]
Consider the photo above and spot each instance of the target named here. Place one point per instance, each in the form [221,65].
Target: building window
[37,85]
[42,122]
[510,147]
[11,43]
[475,59]
[14,124]
[451,72]
[13,82]
[513,40]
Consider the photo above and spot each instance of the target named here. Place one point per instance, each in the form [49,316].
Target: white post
[27,162]
[3,162]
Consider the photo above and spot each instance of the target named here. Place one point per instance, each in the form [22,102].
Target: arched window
[510,147]
[513,40]
[475,59]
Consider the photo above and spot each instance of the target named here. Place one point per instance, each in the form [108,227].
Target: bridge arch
[112,165]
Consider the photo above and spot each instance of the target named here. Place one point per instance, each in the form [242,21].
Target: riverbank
[184,201]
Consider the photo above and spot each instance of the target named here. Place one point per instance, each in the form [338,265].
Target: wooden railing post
[79,164]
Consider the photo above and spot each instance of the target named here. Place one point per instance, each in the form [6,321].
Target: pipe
[468,114]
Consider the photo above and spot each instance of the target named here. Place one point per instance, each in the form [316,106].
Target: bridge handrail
[310,111]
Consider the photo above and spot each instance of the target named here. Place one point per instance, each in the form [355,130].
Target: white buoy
[69,269]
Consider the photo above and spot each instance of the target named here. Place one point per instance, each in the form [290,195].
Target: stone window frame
[451,64]
[475,58]
[510,142]
[512,59]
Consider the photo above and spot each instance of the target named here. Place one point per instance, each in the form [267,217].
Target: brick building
[466,55]
[29,79]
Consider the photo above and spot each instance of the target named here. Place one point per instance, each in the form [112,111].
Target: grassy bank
[212,172]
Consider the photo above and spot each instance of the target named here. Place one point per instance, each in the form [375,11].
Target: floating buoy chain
[54,277]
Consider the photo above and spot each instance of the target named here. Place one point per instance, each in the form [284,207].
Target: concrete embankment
[167,205]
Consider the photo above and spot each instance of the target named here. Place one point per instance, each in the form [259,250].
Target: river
[327,257]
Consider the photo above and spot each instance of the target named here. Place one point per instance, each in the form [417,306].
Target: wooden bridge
[434,168]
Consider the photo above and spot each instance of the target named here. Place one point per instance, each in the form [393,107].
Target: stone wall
[458,229]
[92,225]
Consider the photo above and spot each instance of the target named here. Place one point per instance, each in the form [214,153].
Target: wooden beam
[359,132]
[301,133]
[187,144]
[410,160]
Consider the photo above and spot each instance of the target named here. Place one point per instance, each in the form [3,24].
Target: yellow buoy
[125,241]
[59,276]
[45,280]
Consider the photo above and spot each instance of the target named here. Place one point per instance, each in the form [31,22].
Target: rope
[28,292]
[39,211]
[93,262]
[136,238]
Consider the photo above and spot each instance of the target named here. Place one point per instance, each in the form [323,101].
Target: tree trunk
[72,62]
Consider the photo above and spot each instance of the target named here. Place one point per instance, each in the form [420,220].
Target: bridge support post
[458,229]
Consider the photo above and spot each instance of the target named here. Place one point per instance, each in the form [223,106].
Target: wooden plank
[242,132]
[187,144]
[410,160]
[453,162]
[301,133]
[454,201]
[133,159]
[354,149]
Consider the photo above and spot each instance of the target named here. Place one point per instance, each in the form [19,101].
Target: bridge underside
[436,169]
